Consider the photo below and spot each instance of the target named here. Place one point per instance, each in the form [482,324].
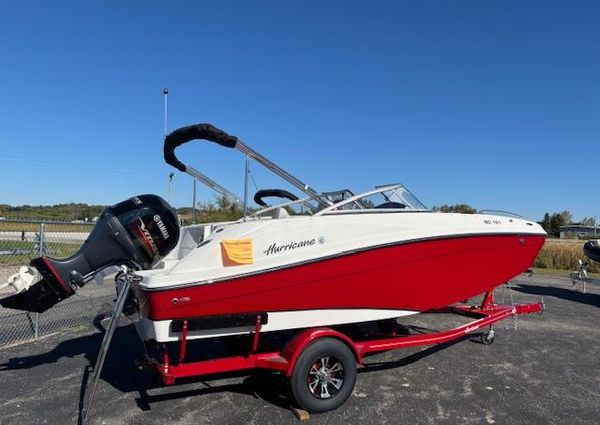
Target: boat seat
[279,213]
[189,239]
[390,205]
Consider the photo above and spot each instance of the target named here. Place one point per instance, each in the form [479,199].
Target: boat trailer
[291,361]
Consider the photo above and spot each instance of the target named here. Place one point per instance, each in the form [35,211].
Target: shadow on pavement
[574,295]
[86,345]
[405,361]
[266,386]
[119,370]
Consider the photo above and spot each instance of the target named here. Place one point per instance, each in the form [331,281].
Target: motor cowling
[138,232]
[591,249]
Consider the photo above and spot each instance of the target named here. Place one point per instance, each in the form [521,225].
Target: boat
[344,258]
[591,249]
[352,258]
[306,266]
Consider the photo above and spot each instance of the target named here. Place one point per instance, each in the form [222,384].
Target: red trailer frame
[292,360]
[284,361]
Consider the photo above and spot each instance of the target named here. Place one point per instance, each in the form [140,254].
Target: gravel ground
[544,372]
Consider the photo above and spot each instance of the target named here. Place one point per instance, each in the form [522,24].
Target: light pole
[246,174]
[171,175]
[166,96]
[194,202]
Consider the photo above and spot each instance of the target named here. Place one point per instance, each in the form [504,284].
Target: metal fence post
[41,238]
[36,321]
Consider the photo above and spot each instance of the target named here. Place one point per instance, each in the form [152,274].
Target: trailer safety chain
[515,318]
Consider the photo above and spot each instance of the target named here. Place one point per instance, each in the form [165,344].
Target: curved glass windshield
[390,197]
[395,197]
[386,197]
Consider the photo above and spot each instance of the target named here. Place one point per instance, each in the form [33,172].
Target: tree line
[552,222]
[58,212]
[223,209]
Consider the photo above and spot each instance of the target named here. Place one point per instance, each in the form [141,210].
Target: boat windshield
[396,197]
[401,195]
[501,213]
[389,197]
[341,195]
[306,206]
[338,195]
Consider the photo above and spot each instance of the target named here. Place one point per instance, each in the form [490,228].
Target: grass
[53,249]
[562,273]
[62,249]
[561,254]
[27,226]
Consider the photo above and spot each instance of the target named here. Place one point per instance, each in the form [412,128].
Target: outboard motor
[139,232]
[591,249]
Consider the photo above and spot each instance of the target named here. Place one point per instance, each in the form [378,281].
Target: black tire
[309,375]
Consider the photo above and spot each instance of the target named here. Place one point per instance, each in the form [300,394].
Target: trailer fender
[297,345]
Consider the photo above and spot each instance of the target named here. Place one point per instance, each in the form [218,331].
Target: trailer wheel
[324,376]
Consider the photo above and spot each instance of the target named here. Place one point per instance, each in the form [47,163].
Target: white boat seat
[279,213]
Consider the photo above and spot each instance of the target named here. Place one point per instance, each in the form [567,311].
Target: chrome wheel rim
[326,377]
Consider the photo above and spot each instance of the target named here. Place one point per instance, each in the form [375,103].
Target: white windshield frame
[356,199]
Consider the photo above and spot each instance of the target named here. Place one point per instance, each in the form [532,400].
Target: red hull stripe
[411,276]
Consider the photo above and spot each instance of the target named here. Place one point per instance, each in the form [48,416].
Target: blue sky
[492,103]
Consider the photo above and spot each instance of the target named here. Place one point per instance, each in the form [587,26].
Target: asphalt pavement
[546,371]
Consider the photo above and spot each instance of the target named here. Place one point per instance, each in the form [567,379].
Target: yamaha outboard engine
[591,249]
[138,232]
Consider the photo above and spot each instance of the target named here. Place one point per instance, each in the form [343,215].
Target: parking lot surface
[546,371]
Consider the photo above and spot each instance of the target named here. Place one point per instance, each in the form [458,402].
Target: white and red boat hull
[393,279]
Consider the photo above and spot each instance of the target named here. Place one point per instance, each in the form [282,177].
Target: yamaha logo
[161,226]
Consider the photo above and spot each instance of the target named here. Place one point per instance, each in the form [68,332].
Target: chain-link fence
[20,241]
